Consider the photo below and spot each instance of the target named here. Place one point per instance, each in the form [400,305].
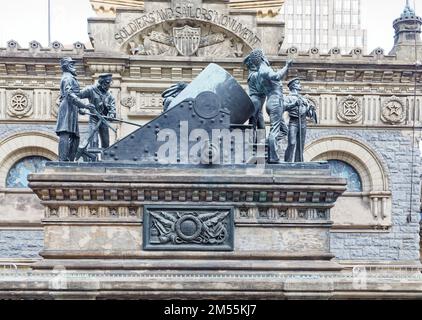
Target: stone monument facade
[367,107]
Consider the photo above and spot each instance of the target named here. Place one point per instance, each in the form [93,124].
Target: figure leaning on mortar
[299,109]
[169,94]
[269,81]
[70,104]
[105,105]
[257,95]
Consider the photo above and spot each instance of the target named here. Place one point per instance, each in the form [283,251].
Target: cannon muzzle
[231,95]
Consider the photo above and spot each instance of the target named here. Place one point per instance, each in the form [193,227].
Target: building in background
[407,39]
[323,24]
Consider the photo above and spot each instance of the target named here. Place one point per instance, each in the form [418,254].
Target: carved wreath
[55,103]
[349,110]
[314,102]
[193,228]
[393,111]
[20,104]
[128,101]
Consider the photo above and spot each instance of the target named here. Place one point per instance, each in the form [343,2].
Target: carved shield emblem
[187,40]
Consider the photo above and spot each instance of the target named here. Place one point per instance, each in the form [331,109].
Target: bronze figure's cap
[105,75]
[289,84]
[255,56]
[66,60]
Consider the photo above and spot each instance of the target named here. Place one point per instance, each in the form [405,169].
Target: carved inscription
[187,12]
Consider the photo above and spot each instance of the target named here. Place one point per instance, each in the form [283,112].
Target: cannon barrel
[200,118]
[217,80]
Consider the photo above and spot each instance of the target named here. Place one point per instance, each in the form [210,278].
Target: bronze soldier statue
[299,109]
[256,94]
[105,105]
[70,104]
[269,81]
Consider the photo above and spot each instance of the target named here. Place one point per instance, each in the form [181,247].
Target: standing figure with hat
[299,109]
[269,81]
[70,104]
[104,107]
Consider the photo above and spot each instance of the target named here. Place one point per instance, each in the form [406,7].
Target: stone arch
[25,144]
[372,171]
[370,208]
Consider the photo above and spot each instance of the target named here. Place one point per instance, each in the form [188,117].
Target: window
[346,5]
[290,9]
[338,19]
[289,38]
[17,176]
[344,170]
[355,20]
[307,38]
[308,9]
[346,19]
[307,24]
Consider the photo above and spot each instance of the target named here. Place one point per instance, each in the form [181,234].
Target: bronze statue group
[264,87]
[101,109]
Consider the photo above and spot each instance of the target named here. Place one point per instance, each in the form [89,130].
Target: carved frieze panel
[143,103]
[393,111]
[349,110]
[186,39]
[79,212]
[188,228]
[19,104]
[280,214]
[55,103]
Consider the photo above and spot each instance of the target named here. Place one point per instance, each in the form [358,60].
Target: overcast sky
[26,20]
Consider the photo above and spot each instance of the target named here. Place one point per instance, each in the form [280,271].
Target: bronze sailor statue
[299,109]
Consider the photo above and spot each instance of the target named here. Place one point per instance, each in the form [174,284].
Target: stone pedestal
[183,218]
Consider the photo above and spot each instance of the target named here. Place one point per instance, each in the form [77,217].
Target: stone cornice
[320,76]
[266,186]
[262,8]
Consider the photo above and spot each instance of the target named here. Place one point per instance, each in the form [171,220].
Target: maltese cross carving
[349,110]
